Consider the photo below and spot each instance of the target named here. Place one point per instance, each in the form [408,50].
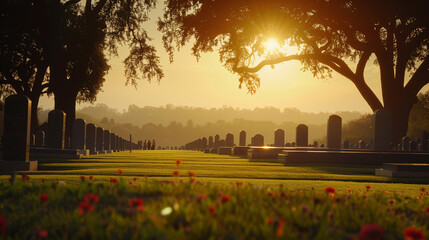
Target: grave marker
[258,140]
[279,138]
[79,134]
[382,129]
[242,139]
[229,140]
[334,132]
[91,132]
[56,129]
[302,135]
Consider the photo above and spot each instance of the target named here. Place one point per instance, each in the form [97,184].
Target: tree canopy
[324,35]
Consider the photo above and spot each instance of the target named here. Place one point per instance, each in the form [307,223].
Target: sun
[271,45]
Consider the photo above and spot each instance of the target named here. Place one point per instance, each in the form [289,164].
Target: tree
[24,68]
[77,34]
[324,35]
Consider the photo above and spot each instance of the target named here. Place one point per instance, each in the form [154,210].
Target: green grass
[274,202]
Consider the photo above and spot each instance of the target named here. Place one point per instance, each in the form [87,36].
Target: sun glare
[271,45]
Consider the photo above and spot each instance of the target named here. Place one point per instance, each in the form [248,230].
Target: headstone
[211,142]
[242,139]
[117,143]
[322,145]
[406,143]
[399,148]
[203,143]
[79,134]
[279,138]
[229,140]
[413,145]
[315,144]
[216,141]
[106,140]
[293,144]
[32,139]
[425,141]
[56,129]
[258,140]
[346,144]
[288,144]
[222,143]
[40,139]
[100,139]
[17,119]
[252,141]
[302,135]
[361,144]
[334,132]
[382,129]
[91,132]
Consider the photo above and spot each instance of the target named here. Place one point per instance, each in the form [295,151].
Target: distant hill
[174,126]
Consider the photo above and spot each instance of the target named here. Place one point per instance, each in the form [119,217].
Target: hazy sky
[208,84]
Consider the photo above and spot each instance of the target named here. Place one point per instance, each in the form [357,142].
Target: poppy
[371,232]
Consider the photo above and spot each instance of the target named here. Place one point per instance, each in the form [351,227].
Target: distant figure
[144,145]
[149,147]
[153,144]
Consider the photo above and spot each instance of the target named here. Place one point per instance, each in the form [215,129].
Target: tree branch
[362,64]
[99,6]
[419,79]
[71,2]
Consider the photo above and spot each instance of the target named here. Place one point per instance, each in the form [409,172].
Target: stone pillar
[302,135]
[100,139]
[382,129]
[56,129]
[17,119]
[258,140]
[91,132]
[334,132]
[229,140]
[279,138]
[79,134]
[242,138]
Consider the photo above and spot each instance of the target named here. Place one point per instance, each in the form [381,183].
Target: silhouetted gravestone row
[85,139]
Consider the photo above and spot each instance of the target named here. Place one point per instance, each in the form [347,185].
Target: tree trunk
[400,116]
[34,115]
[65,100]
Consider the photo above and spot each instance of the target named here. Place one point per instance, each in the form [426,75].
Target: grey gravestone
[112,141]
[117,142]
[40,138]
[406,143]
[91,131]
[32,139]
[425,141]
[242,139]
[203,143]
[106,141]
[100,139]
[216,141]
[17,119]
[334,132]
[346,144]
[258,140]
[315,144]
[279,138]
[302,135]
[229,140]
[210,142]
[252,141]
[79,134]
[222,143]
[382,129]
[56,129]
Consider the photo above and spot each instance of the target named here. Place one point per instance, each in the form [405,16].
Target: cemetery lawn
[136,196]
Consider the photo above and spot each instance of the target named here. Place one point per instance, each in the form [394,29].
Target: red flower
[113,180]
[41,233]
[84,207]
[427,209]
[269,221]
[43,180]
[181,180]
[43,197]
[212,209]
[191,174]
[178,162]
[279,231]
[413,234]
[271,194]
[194,180]
[225,198]
[91,177]
[3,225]
[137,203]
[119,171]
[330,190]
[82,178]
[171,182]
[91,198]
[367,187]
[25,177]
[176,173]
[371,232]
[238,183]
[349,190]
[422,189]
[201,197]
[135,178]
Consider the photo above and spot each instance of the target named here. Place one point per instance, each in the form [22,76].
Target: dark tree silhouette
[334,35]
[23,68]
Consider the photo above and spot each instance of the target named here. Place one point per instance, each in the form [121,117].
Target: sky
[206,83]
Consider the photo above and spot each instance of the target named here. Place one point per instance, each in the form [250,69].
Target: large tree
[324,35]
